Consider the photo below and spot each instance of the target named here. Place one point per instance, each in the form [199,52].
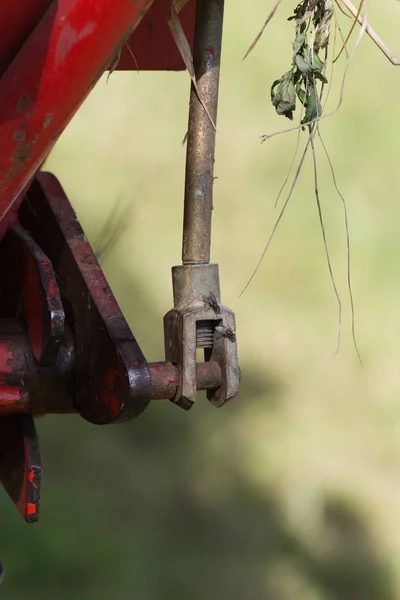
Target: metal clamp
[198,320]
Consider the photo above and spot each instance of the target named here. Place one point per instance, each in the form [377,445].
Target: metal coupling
[199,321]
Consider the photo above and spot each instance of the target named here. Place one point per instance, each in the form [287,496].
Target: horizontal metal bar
[165,378]
[27,388]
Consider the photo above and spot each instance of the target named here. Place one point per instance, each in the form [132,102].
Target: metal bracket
[199,321]
[111,378]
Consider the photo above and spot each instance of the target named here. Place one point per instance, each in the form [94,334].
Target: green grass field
[292,492]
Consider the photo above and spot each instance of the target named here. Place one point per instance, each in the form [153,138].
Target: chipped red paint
[13,399]
[62,52]
[44,312]
[52,287]
[30,497]
[53,72]
[30,509]
[31,478]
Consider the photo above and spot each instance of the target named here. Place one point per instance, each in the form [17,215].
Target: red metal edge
[151,45]
[74,43]
[111,373]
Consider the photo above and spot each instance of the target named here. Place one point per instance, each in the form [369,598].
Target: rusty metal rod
[201,134]
[23,390]
[165,377]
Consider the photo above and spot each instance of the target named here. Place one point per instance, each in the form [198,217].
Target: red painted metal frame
[17,20]
[52,54]
[152,44]
[73,44]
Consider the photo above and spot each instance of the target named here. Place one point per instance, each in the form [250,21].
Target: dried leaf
[317,62]
[310,9]
[323,28]
[300,93]
[257,39]
[283,95]
[309,62]
[179,4]
[313,106]
[299,43]
[318,66]
[372,34]
[303,65]
[114,65]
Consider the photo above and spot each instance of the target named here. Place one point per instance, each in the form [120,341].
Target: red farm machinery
[65,346]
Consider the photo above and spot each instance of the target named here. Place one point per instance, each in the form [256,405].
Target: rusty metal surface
[25,387]
[165,378]
[190,283]
[193,323]
[201,134]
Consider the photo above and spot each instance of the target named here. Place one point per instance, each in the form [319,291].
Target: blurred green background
[292,491]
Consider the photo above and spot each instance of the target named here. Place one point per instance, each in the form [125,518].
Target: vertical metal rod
[201,134]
